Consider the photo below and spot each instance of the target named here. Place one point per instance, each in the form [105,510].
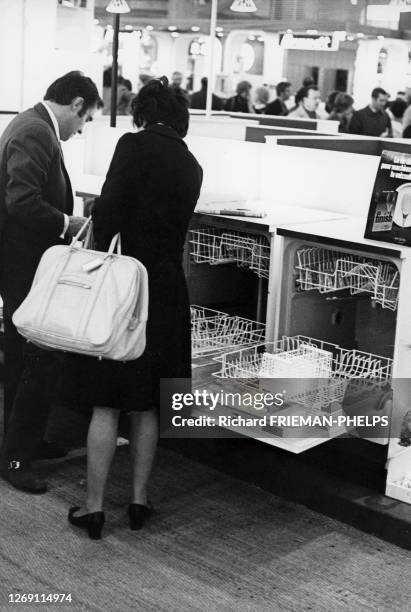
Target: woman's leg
[143,444]
[101,445]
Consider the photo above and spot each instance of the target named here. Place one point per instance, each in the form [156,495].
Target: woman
[261,96]
[149,195]
[241,102]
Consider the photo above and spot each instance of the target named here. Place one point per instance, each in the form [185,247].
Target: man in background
[307,100]
[278,106]
[177,82]
[36,212]
[198,98]
[373,120]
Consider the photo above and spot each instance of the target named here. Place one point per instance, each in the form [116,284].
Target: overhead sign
[309,42]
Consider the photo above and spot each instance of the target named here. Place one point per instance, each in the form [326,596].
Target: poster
[389,216]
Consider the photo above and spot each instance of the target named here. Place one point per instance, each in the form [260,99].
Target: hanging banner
[389,215]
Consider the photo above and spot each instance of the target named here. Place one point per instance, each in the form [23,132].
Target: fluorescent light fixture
[68,3]
[219,29]
[118,6]
[251,37]
[220,34]
[175,34]
[313,32]
[243,6]
[360,35]
[172,28]
[260,39]
[150,28]
[195,29]
[128,27]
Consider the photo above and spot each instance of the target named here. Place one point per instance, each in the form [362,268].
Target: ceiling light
[381,37]
[220,34]
[313,32]
[150,28]
[260,39]
[251,37]
[118,6]
[195,29]
[219,29]
[350,38]
[175,34]
[289,31]
[243,6]
[172,28]
[360,35]
[128,27]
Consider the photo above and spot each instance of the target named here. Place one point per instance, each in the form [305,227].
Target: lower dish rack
[320,371]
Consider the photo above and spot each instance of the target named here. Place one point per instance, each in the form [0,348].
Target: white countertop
[277,215]
[348,229]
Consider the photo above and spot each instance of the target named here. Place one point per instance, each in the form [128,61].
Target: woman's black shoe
[138,515]
[92,523]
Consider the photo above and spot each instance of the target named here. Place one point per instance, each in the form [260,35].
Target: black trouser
[30,373]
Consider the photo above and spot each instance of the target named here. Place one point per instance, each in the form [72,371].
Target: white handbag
[87,302]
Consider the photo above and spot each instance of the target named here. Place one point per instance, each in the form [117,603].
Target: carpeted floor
[215,543]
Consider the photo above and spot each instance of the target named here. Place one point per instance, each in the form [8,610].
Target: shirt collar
[53,118]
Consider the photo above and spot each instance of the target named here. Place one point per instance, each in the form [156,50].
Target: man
[36,206]
[198,98]
[278,106]
[176,83]
[373,120]
[307,100]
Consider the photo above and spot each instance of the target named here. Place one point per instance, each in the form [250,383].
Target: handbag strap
[116,241]
[81,231]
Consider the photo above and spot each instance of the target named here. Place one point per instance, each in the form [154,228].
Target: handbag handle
[81,231]
[116,241]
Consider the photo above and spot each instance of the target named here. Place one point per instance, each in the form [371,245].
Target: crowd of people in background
[382,117]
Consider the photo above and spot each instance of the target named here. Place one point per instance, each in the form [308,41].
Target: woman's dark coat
[149,195]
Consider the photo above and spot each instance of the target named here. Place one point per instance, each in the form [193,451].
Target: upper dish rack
[214,246]
[326,271]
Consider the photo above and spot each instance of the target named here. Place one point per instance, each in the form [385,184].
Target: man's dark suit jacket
[198,100]
[35,191]
[276,108]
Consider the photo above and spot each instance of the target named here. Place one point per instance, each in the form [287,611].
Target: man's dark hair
[304,92]
[378,91]
[156,102]
[74,85]
[281,87]
[204,82]
[308,81]
[398,108]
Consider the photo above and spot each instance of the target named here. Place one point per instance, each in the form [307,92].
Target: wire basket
[327,271]
[260,257]
[213,246]
[212,334]
[320,371]
[206,247]
[318,270]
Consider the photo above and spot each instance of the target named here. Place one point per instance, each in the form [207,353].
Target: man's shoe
[21,477]
[49,450]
